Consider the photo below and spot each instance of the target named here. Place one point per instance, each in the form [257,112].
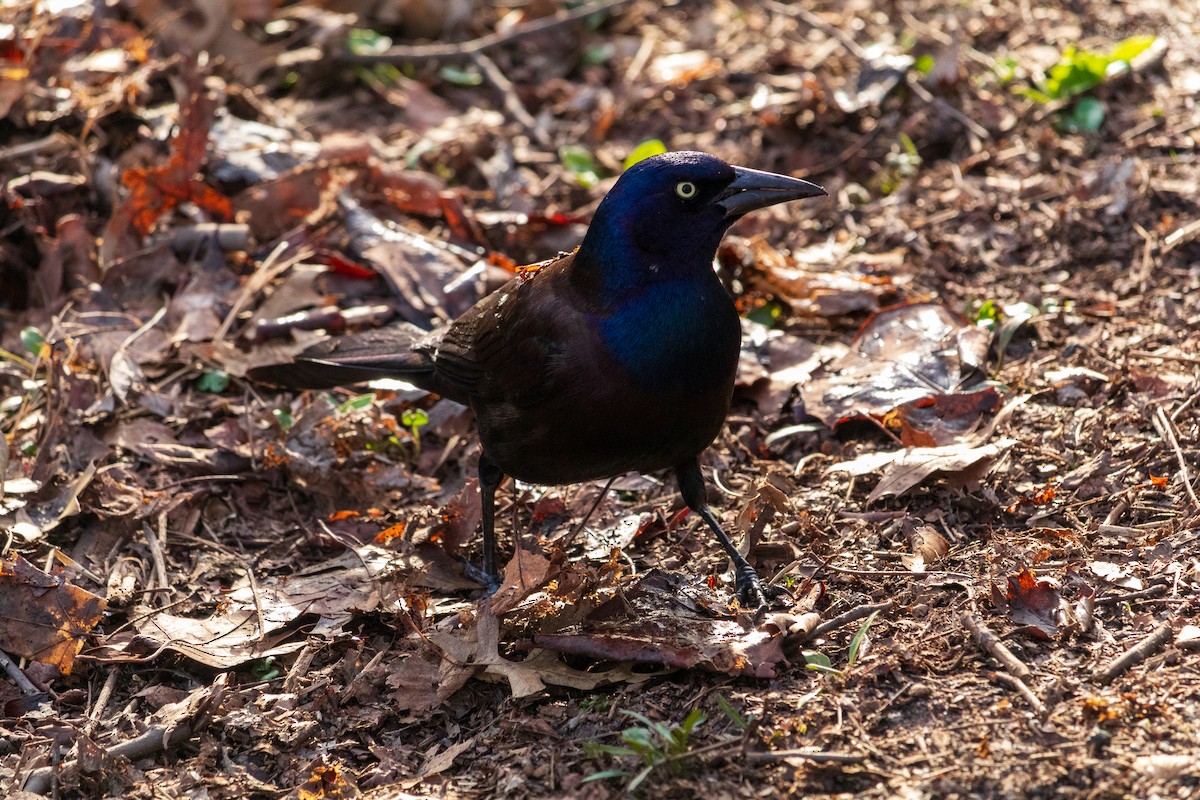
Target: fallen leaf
[904,469]
[1033,602]
[45,617]
[903,355]
[475,647]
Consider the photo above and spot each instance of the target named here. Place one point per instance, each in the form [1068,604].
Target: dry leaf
[45,617]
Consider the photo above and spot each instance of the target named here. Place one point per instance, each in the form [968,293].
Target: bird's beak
[753,189]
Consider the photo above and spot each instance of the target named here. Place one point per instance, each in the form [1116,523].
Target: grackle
[617,357]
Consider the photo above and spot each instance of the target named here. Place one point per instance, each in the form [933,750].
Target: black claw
[752,593]
[490,581]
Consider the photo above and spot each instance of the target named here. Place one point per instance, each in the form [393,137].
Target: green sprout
[656,745]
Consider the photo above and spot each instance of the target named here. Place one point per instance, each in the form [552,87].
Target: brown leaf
[1033,602]
[927,546]
[904,469]
[904,354]
[154,191]
[650,624]
[45,617]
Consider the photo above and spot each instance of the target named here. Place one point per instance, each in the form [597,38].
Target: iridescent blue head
[666,215]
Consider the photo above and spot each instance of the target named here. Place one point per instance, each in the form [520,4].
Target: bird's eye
[685,189]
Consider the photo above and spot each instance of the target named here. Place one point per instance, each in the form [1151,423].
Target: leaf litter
[170,216]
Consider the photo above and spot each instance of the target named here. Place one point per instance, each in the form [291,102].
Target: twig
[19,678]
[53,143]
[1022,688]
[159,737]
[511,101]
[1147,647]
[852,615]
[1163,356]
[817,756]
[570,537]
[962,119]
[272,265]
[990,643]
[154,544]
[472,47]
[300,668]
[888,573]
[1178,412]
[1117,599]
[1180,236]
[1167,429]
[102,699]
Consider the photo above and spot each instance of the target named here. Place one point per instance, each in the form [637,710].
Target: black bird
[618,357]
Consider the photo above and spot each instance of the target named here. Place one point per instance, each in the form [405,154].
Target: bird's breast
[674,336]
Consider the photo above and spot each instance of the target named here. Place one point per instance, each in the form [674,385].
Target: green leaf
[638,737]
[857,641]
[592,749]
[1086,116]
[728,710]
[32,340]
[414,418]
[579,162]
[364,41]
[767,315]
[283,418]
[599,53]
[600,776]
[819,662]
[924,64]
[637,779]
[646,149]
[693,719]
[460,76]
[1131,48]
[987,313]
[215,382]
[355,403]
[1005,68]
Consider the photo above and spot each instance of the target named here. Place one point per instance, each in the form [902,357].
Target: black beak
[753,189]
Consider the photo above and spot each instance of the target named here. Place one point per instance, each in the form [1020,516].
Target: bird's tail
[393,352]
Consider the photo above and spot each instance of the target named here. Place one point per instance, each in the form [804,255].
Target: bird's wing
[502,349]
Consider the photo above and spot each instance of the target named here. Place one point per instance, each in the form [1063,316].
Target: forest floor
[965,435]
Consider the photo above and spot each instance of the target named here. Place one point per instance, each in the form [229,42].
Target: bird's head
[669,212]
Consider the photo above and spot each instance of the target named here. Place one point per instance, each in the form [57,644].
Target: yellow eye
[685,189]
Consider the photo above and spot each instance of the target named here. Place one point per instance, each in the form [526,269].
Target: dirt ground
[982,499]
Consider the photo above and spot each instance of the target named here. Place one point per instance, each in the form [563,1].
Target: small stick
[570,537]
[303,662]
[1141,594]
[154,544]
[845,619]
[1147,647]
[157,738]
[990,643]
[511,101]
[809,755]
[19,678]
[102,699]
[1167,430]
[1023,688]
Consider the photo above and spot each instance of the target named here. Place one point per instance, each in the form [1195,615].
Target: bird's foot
[752,593]
[490,581]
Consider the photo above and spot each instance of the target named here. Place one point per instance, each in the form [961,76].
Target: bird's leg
[750,590]
[490,478]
